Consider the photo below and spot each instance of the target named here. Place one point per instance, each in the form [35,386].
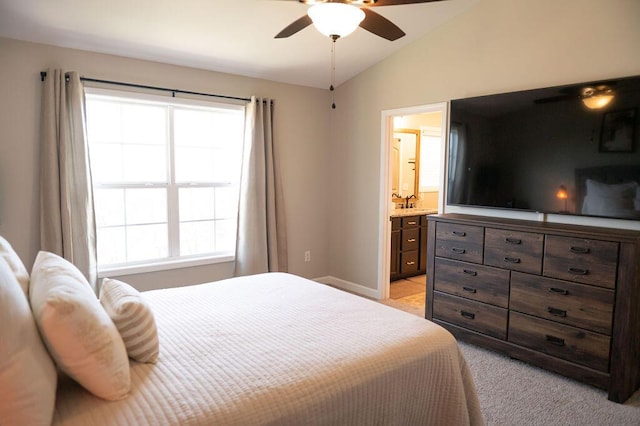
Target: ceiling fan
[593,95]
[336,9]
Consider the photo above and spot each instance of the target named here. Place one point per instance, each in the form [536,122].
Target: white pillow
[615,200]
[27,373]
[133,318]
[610,207]
[616,190]
[16,265]
[79,334]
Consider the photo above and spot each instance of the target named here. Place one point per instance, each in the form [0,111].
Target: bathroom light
[596,97]
[335,19]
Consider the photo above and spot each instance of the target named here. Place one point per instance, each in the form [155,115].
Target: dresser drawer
[519,251]
[408,261]
[410,239]
[471,281]
[582,260]
[410,222]
[477,316]
[461,242]
[561,301]
[563,341]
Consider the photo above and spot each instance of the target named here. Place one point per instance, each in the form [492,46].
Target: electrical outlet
[307,256]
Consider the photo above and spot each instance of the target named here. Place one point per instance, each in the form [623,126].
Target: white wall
[301,127]
[497,46]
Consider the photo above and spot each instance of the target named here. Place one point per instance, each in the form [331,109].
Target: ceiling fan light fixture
[596,98]
[335,19]
[598,101]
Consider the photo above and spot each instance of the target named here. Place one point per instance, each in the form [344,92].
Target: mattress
[279,349]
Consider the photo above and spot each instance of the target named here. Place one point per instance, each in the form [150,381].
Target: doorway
[403,118]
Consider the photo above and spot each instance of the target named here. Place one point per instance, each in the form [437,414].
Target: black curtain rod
[43,75]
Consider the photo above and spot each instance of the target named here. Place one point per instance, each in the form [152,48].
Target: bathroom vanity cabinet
[408,246]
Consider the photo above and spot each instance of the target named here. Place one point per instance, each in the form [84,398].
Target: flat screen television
[548,150]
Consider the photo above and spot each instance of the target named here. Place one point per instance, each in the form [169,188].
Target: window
[165,175]
[430,151]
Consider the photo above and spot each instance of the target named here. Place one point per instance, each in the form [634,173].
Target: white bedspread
[281,350]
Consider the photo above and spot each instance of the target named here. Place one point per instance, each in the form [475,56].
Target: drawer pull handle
[512,260]
[557,312]
[469,289]
[580,250]
[458,250]
[555,340]
[411,240]
[513,240]
[579,271]
[459,233]
[411,263]
[469,315]
[469,272]
[558,290]
[412,222]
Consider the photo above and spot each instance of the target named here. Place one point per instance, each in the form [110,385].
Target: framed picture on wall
[618,131]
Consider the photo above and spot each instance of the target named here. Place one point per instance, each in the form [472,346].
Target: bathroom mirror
[405,158]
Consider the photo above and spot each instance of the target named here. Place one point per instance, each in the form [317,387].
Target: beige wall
[497,46]
[301,127]
[331,159]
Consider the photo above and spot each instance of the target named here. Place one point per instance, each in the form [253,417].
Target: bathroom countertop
[412,212]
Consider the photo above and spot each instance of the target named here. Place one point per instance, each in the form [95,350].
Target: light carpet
[512,392]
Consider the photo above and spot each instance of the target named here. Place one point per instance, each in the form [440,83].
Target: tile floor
[410,291]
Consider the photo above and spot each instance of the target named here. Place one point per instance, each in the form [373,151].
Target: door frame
[386,137]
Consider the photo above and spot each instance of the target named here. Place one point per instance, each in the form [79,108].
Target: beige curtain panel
[67,222]
[261,239]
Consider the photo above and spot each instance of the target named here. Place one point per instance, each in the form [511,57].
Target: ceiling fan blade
[294,27]
[555,99]
[399,2]
[380,26]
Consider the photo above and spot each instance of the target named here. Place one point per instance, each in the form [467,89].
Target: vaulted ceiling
[233,36]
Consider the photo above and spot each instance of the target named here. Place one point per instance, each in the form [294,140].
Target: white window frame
[173,261]
[427,157]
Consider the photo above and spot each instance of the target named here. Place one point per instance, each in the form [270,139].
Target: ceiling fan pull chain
[333,72]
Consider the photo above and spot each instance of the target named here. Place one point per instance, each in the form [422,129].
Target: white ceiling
[233,36]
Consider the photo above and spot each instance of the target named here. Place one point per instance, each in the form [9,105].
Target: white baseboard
[349,286]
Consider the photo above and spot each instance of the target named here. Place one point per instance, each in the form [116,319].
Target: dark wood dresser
[565,298]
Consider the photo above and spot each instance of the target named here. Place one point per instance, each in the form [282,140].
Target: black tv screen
[545,150]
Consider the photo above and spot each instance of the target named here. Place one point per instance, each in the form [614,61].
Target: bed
[278,349]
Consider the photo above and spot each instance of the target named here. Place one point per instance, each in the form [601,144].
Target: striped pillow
[133,318]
